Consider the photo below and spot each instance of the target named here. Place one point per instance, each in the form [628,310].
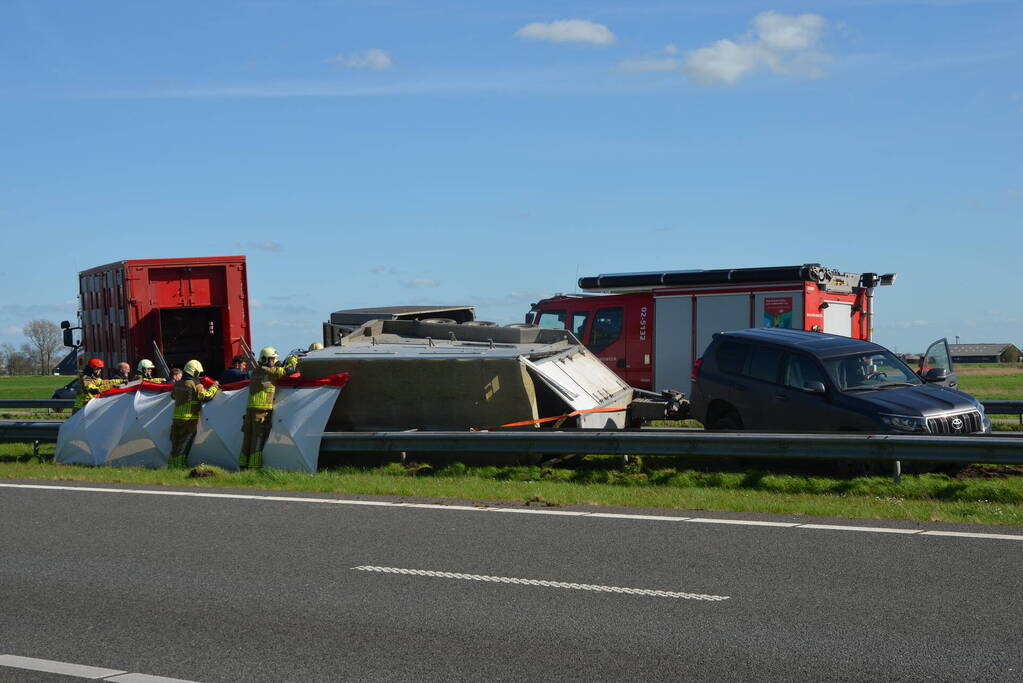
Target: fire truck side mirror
[68,341]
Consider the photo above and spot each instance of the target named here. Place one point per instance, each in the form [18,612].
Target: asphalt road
[222,589]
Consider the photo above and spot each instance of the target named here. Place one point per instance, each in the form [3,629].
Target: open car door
[936,365]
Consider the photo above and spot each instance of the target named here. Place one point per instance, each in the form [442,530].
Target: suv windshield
[878,370]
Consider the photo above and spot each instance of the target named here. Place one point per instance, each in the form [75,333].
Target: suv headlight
[905,423]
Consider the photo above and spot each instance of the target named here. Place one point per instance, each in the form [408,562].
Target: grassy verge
[31,386]
[924,497]
[991,382]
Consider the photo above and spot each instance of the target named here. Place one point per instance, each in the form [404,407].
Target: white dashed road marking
[552,513]
[543,583]
[94,673]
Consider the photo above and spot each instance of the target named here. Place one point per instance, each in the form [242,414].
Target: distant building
[985,353]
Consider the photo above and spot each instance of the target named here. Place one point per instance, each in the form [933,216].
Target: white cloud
[374,59]
[420,282]
[722,62]
[638,65]
[786,44]
[788,32]
[266,245]
[671,49]
[568,31]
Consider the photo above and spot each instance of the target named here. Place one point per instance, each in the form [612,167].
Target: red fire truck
[192,308]
[651,327]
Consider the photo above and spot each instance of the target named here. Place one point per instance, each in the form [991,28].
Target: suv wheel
[726,421]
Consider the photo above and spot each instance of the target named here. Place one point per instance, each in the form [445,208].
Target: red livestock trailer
[192,308]
[651,327]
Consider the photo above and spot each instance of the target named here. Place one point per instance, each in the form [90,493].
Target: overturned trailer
[413,374]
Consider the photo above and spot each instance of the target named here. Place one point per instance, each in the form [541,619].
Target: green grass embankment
[922,498]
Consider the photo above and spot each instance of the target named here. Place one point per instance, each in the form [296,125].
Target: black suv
[778,379]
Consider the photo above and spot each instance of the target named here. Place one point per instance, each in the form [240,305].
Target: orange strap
[525,423]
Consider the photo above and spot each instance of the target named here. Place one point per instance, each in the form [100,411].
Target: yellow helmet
[146,364]
[193,368]
[315,346]
[267,354]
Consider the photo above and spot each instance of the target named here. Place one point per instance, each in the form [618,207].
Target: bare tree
[45,341]
[15,362]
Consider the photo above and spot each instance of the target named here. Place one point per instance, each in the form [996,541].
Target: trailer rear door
[193,334]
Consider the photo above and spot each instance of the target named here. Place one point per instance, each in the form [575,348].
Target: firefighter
[92,383]
[145,372]
[238,372]
[189,393]
[258,414]
[123,375]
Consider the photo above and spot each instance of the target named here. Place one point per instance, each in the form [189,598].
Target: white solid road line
[528,511]
[145,678]
[81,671]
[543,583]
[62,668]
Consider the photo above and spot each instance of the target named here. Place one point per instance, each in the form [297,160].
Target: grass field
[998,383]
[31,386]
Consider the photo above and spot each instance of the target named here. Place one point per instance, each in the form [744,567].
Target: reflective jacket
[263,383]
[139,376]
[91,387]
[189,396]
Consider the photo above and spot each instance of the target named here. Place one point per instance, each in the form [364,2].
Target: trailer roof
[358,316]
[169,262]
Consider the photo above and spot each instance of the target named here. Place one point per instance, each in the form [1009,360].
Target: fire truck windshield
[552,320]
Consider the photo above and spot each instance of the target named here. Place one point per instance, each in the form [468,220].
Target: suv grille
[946,424]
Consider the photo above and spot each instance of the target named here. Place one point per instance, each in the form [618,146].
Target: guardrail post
[35,448]
[897,467]
[625,460]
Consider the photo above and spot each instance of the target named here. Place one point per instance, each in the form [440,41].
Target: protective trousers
[182,435]
[256,429]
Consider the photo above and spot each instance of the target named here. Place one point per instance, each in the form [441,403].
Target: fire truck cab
[651,327]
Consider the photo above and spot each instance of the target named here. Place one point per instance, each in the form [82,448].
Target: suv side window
[800,371]
[764,363]
[731,357]
[606,328]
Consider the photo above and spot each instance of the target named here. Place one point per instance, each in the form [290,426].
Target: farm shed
[985,353]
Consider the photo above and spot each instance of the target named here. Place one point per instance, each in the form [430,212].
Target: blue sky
[394,152]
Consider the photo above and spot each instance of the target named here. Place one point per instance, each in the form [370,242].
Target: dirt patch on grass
[989,471]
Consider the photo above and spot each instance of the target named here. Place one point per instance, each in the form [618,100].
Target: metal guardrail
[688,443]
[985,449]
[1004,408]
[29,430]
[52,403]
